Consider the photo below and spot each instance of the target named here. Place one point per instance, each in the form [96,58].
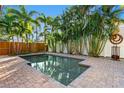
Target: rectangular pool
[62,69]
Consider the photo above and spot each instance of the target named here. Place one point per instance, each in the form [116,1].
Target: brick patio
[102,73]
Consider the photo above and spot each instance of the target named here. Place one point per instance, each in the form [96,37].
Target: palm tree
[10,26]
[100,27]
[55,27]
[46,21]
[51,27]
[77,27]
[26,20]
[91,25]
[37,26]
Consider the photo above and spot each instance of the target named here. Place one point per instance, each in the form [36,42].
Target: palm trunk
[68,49]
[45,32]
[36,34]
[18,45]
[55,47]
[71,46]
[21,46]
[13,48]
[9,47]
[81,45]
[27,43]
[62,48]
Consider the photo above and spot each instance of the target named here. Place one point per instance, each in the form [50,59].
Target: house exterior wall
[107,50]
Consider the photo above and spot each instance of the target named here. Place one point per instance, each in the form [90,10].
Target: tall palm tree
[37,26]
[92,25]
[10,26]
[55,28]
[74,20]
[45,21]
[100,27]
[51,27]
[26,20]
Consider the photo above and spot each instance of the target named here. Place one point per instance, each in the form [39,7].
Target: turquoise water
[62,69]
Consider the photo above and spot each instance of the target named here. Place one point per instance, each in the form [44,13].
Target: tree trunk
[68,49]
[21,46]
[62,47]
[27,43]
[81,45]
[18,45]
[13,44]
[36,34]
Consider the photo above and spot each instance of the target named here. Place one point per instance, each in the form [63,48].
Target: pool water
[62,69]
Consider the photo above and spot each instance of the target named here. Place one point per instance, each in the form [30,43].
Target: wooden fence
[10,48]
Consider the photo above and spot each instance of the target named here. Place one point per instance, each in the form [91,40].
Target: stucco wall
[107,50]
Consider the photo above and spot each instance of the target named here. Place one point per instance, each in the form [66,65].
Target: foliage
[78,27]
[91,25]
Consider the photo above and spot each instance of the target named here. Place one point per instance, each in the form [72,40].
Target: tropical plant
[25,19]
[74,21]
[79,26]
[100,27]
[10,27]
[46,21]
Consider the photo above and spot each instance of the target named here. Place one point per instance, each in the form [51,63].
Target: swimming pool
[62,69]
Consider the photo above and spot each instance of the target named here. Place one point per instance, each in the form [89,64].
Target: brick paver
[102,73]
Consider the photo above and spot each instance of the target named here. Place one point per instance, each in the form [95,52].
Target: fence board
[8,48]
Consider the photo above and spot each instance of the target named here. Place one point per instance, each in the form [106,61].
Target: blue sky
[48,10]
[52,10]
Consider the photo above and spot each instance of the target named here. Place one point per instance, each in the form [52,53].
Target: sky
[52,10]
[48,10]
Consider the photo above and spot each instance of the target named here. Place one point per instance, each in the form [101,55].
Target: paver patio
[103,73]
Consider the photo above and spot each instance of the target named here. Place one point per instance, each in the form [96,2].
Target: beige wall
[107,50]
